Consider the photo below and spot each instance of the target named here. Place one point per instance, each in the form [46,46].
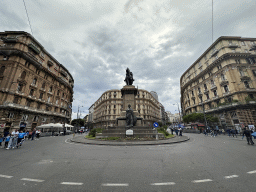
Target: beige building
[222,80]
[110,104]
[35,88]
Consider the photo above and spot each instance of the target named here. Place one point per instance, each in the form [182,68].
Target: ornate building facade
[222,82]
[35,88]
[109,106]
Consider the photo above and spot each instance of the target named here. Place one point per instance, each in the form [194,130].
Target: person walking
[37,134]
[33,134]
[176,131]
[248,135]
[7,139]
[20,137]
[180,129]
[1,140]
[172,130]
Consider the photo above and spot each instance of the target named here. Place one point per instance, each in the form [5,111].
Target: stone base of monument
[122,132]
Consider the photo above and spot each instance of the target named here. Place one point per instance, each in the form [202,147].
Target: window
[16,100]
[243,43]
[47,108]
[50,89]
[222,76]
[192,93]
[23,75]
[254,72]
[34,81]
[35,118]
[225,88]
[241,72]
[28,102]
[251,96]
[210,74]
[19,88]
[201,99]
[215,93]
[43,85]
[246,50]
[38,105]
[46,76]
[49,99]
[246,84]
[57,101]
[237,61]
[194,101]
[41,95]
[2,70]
[199,90]
[38,72]
[205,87]
[230,42]
[31,93]
[58,92]
[219,67]
[207,96]
[203,78]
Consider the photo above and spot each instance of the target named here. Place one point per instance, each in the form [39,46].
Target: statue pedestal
[128,93]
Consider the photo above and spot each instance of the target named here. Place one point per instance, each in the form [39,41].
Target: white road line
[115,184]
[35,180]
[251,172]
[6,176]
[201,181]
[71,183]
[167,183]
[230,176]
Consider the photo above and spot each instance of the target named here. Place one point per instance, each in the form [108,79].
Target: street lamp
[77,116]
[179,111]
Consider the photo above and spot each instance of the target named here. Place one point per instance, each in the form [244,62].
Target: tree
[199,117]
[79,122]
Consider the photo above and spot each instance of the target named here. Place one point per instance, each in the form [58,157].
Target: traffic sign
[155,124]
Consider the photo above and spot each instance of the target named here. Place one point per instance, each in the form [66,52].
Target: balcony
[245,78]
[232,45]
[206,91]
[34,48]
[33,85]
[42,89]
[253,48]
[224,82]
[62,72]
[213,86]
[200,93]
[50,63]
[10,39]
[214,52]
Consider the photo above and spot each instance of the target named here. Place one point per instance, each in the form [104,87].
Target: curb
[113,143]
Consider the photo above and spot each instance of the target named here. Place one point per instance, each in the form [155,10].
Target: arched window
[2,70]
[23,75]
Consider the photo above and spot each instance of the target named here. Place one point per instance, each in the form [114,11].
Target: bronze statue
[131,119]
[129,77]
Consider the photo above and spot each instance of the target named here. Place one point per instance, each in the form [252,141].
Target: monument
[129,124]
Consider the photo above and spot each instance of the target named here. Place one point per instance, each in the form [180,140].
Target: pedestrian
[37,134]
[171,130]
[29,134]
[21,136]
[7,139]
[248,135]
[1,140]
[180,129]
[33,134]
[176,131]
[223,131]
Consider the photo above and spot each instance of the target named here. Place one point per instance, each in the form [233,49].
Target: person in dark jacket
[248,135]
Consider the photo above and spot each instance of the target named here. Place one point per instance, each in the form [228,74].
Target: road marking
[201,181]
[230,177]
[6,176]
[35,180]
[167,183]
[115,184]
[251,172]
[71,183]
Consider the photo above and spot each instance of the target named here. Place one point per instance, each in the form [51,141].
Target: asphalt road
[200,164]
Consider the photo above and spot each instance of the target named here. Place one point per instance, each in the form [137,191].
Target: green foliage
[248,99]
[160,124]
[165,127]
[99,130]
[199,117]
[162,130]
[93,132]
[79,122]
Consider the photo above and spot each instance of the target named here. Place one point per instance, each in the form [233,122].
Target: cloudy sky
[96,40]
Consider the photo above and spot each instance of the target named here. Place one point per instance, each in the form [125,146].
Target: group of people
[178,131]
[15,139]
[231,132]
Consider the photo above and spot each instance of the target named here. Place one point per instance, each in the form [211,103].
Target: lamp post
[77,116]
[179,111]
